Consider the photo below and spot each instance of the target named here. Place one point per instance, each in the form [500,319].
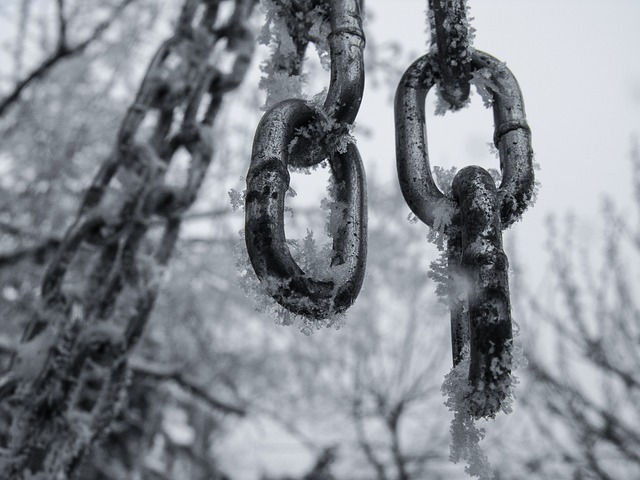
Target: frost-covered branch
[392,420]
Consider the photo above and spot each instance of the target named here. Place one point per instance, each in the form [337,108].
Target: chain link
[448,19]
[277,144]
[99,289]
[473,216]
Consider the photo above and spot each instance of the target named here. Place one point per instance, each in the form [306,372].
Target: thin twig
[62,51]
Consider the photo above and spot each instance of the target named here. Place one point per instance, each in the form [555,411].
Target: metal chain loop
[277,145]
[512,138]
[451,37]
[100,287]
[472,218]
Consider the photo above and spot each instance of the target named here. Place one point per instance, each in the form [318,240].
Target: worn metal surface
[277,145]
[450,31]
[512,138]
[267,185]
[485,269]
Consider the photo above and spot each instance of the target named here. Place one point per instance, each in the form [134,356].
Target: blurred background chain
[99,289]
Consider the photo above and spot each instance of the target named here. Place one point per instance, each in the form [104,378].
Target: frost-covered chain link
[451,38]
[299,134]
[99,289]
[473,217]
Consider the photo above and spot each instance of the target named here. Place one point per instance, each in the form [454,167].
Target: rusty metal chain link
[474,216]
[99,289]
[278,143]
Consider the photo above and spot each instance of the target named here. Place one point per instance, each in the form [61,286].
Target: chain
[99,289]
[474,216]
[278,143]
[448,19]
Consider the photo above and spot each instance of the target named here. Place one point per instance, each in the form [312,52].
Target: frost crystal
[465,435]
[439,273]
[277,80]
[444,178]
[442,106]
[462,400]
[331,135]
[237,199]
[285,30]
[493,150]
[280,86]
[319,33]
[481,79]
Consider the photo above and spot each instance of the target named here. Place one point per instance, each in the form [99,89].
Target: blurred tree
[582,385]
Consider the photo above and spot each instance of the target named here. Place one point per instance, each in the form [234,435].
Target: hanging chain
[279,143]
[448,19]
[98,291]
[475,215]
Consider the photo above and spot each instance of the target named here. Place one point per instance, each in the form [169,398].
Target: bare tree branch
[578,407]
[363,441]
[162,372]
[18,52]
[392,419]
[62,51]
[62,27]
[290,426]
[40,251]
